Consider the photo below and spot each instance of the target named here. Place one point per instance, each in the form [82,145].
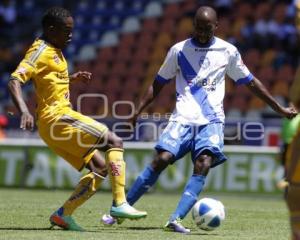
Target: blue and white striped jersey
[200,78]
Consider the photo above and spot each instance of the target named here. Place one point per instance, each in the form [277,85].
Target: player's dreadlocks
[55,16]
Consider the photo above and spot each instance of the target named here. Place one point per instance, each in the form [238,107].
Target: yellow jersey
[68,133]
[46,66]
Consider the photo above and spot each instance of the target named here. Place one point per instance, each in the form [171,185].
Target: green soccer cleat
[65,222]
[126,211]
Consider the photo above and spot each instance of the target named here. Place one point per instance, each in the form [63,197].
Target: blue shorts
[180,139]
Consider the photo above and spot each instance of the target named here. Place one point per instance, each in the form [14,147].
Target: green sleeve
[289,128]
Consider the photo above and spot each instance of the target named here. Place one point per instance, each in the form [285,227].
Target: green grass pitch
[24,215]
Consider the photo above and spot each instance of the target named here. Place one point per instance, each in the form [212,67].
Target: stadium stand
[123,43]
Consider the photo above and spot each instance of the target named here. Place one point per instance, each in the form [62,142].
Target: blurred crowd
[123,43]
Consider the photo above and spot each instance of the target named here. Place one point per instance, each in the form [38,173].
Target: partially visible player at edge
[292,163]
[71,135]
[199,65]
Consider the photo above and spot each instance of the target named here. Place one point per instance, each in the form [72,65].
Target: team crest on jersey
[56,59]
[204,62]
[21,70]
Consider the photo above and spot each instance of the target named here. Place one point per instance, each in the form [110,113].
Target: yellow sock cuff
[113,150]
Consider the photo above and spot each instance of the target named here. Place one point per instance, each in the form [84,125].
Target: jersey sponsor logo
[115,169]
[204,49]
[206,83]
[209,85]
[56,59]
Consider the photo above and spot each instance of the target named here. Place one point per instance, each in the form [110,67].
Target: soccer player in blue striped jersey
[199,65]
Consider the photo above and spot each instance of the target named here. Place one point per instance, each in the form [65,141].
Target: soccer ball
[208,214]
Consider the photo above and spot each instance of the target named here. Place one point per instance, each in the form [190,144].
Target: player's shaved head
[205,24]
[207,14]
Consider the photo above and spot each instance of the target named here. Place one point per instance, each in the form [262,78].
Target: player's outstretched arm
[27,121]
[258,89]
[149,96]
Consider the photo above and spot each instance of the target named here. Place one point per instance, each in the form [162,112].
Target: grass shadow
[144,228]
[203,234]
[45,229]
[28,228]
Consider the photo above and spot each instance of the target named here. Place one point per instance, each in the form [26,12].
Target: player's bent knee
[118,142]
[101,172]
[98,170]
[161,161]
[202,165]
[98,165]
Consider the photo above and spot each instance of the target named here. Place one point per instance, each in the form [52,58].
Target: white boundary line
[16,142]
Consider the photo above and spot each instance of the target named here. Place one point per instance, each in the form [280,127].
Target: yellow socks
[89,183]
[86,188]
[116,169]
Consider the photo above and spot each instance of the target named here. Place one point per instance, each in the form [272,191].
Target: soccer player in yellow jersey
[292,163]
[73,136]
[292,166]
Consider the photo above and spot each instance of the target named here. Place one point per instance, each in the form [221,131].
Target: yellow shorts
[293,161]
[73,136]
